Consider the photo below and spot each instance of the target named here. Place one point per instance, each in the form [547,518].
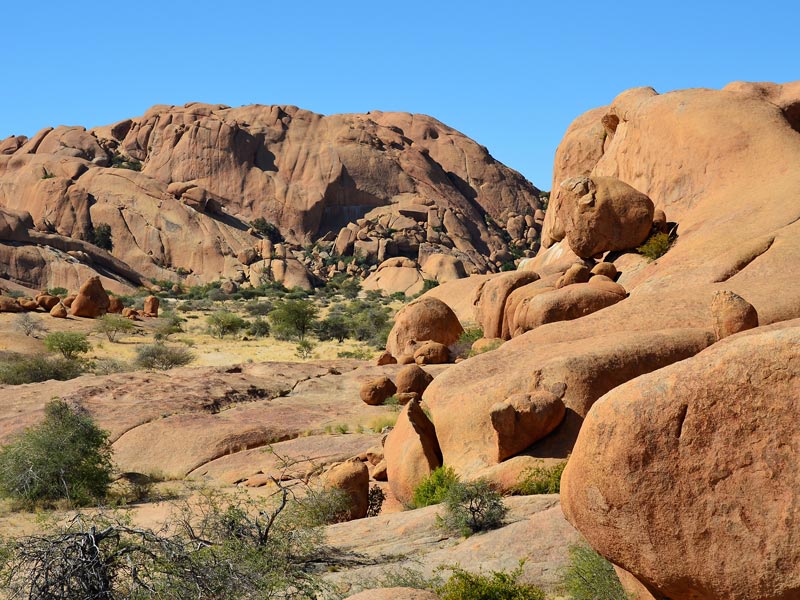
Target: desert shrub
[322,507]
[258,309]
[101,236]
[497,585]
[267,229]
[29,325]
[334,327]
[57,291]
[118,161]
[368,321]
[168,324]
[114,325]
[589,576]
[463,345]
[224,322]
[304,349]
[217,548]
[293,319]
[162,357]
[435,487]
[18,369]
[378,424]
[541,480]
[472,507]
[69,344]
[258,327]
[108,366]
[655,246]
[66,456]
[375,500]
[357,353]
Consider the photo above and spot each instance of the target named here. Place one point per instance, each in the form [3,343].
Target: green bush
[435,487]
[375,500]
[541,480]
[267,229]
[168,323]
[655,246]
[498,585]
[293,319]
[101,236]
[304,349]
[162,357]
[69,344]
[463,345]
[472,507]
[29,325]
[258,309]
[66,456]
[589,576]
[57,291]
[224,322]
[114,325]
[258,327]
[18,369]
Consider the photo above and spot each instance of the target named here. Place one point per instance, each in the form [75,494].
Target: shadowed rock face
[192,178]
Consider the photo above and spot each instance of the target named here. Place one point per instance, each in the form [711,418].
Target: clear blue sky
[512,75]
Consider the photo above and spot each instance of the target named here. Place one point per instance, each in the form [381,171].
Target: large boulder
[375,391]
[10,305]
[732,314]
[606,214]
[523,419]
[687,477]
[424,319]
[92,300]
[352,477]
[396,275]
[491,306]
[151,304]
[411,450]
[412,379]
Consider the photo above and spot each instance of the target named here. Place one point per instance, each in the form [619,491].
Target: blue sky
[512,75]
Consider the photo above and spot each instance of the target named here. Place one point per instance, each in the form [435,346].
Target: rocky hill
[200,192]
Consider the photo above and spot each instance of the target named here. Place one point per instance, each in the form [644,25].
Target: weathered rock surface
[523,419]
[375,391]
[425,319]
[411,451]
[395,593]
[189,180]
[412,379]
[732,314]
[352,477]
[663,474]
[92,300]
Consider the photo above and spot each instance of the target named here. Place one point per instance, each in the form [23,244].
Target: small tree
[69,344]
[472,507]
[224,322]
[29,325]
[101,236]
[66,456]
[258,327]
[304,349]
[114,325]
[161,357]
[293,319]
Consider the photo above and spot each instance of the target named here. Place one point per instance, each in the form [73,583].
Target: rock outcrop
[351,477]
[687,477]
[192,192]
[92,300]
[423,320]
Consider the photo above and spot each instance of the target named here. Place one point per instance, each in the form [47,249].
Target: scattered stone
[351,476]
[151,304]
[375,391]
[432,353]
[732,314]
[412,378]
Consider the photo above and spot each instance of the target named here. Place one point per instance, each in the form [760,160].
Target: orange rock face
[687,477]
[92,300]
[352,477]
[423,320]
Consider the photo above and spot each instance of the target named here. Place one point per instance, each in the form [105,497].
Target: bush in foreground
[655,246]
[68,343]
[65,457]
[435,487]
[472,507]
[18,369]
[162,357]
[589,576]
[541,480]
[497,585]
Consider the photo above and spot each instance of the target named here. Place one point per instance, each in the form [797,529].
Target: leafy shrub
[375,500]
[357,353]
[113,325]
[108,366]
[463,345]
[118,161]
[498,585]
[169,323]
[57,291]
[66,456]
[472,507]
[224,322]
[655,246]
[69,344]
[101,236]
[258,309]
[541,480]
[304,349]
[334,327]
[293,319]
[267,229]
[589,576]
[323,507]
[258,327]
[18,369]
[435,487]
[162,357]
[29,325]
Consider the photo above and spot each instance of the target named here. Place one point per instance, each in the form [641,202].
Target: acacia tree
[66,456]
[293,319]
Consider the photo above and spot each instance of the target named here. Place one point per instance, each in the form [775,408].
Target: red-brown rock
[411,451]
[151,304]
[432,353]
[732,314]
[115,305]
[424,319]
[674,459]
[351,476]
[375,391]
[491,306]
[47,302]
[412,378]
[92,300]
[385,358]
[523,419]
[59,311]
